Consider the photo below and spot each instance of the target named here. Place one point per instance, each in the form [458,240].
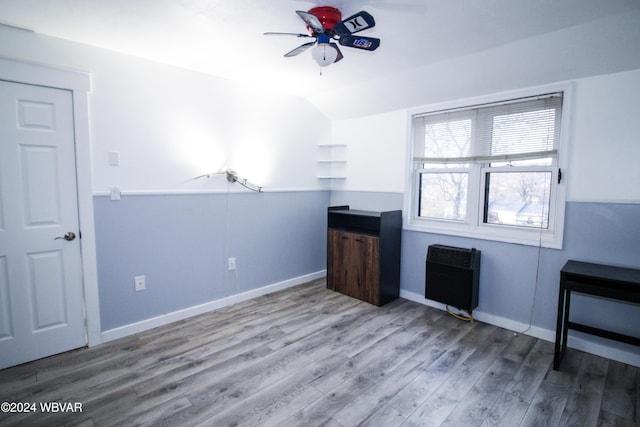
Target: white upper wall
[605,139]
[601,58]
[376,151]
[604,148]
[604,46]
[170,125]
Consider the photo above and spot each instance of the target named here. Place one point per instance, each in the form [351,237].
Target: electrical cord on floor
[467,317]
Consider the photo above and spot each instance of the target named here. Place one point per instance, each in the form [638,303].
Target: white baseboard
[165,319]
[502,322]
[537,332]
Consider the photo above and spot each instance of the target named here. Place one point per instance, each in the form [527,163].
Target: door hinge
[559,175]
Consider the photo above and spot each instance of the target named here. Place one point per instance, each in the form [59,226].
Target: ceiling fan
[325,24]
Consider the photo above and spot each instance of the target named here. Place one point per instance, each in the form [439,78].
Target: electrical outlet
[140,283]
[231,264]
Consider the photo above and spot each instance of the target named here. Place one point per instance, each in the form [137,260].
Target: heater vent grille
[449,255]
[453,276]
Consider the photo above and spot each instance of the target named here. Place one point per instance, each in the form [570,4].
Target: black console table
[363,253]
[594,280]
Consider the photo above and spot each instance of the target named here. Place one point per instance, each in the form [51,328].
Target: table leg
[565,322]
[559,326]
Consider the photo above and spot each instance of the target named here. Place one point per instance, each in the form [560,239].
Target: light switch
[115,193]
[114,158]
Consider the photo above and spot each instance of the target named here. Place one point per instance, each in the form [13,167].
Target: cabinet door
[344,263]
[352,265]
[337,256]
[365,255]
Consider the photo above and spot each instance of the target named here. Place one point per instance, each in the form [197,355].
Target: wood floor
[308,356]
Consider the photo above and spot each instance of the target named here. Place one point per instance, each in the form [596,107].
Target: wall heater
[453,275]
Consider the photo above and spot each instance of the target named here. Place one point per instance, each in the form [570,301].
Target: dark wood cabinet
[363,254]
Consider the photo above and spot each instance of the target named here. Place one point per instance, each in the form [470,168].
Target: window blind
[514,130]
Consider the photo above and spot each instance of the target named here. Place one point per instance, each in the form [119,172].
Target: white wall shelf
[332,161]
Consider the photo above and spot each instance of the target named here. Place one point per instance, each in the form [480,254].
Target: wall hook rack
[232,176]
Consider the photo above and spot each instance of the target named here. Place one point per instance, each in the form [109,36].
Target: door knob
[68,237]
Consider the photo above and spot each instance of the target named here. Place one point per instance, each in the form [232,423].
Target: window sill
[537,238]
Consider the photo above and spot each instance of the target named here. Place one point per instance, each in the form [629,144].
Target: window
[490,171]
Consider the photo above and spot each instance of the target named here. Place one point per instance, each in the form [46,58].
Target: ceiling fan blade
[311,20]
[270,33]
[354,24]
[299,49]
[340,56]
[360,42]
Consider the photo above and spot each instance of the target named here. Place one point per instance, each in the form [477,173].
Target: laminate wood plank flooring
[307,356]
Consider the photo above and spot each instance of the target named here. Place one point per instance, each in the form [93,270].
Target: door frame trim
[79,83]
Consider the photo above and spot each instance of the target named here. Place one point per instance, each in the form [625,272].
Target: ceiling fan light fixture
[324,54]
[326,27]
[327,15]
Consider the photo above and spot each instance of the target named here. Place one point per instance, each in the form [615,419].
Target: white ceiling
[224,37]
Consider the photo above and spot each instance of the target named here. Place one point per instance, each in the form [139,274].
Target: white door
[41,290]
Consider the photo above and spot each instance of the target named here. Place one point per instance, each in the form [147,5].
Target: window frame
[474,226]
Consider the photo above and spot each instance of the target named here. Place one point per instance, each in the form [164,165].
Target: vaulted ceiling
[225,38]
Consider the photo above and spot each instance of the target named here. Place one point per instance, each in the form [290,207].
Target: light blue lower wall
[510,274]
[181,244]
